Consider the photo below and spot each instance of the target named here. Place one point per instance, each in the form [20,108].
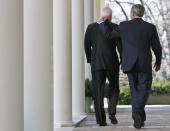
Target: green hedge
[88,88]
[158,88]
[124,96]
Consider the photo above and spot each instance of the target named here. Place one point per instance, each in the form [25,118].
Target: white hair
[106,11]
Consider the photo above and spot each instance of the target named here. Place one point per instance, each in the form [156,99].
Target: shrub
[160,87]
[88,88]
[124,96]
[106,89]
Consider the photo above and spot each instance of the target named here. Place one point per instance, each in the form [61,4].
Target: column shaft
[38,65]
[88,12]
[98,5]
[96,10]
[102,4]
[88,18]
[62,63]
[11,65]
[78,73]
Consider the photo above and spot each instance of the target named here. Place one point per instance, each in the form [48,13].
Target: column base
[77,119]
[64,129]
[60,124]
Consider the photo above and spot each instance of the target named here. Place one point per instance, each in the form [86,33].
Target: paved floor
[158,119]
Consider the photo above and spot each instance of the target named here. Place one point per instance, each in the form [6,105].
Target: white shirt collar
[99,22]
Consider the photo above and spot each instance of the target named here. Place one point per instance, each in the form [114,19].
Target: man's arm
[157,49]
[87,45]
[111,34]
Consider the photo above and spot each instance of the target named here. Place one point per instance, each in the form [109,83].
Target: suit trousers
[140,86]
[98,80]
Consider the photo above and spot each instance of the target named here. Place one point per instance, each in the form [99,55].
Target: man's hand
[157,67]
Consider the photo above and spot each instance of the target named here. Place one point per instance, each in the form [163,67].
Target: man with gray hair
[101,54]
[138,38]
[137,11]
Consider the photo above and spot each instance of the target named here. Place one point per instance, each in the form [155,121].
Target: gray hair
[106,11]
[138,10]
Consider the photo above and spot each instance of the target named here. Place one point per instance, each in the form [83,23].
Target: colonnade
[42,67]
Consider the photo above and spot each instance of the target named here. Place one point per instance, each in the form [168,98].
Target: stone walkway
[158,119]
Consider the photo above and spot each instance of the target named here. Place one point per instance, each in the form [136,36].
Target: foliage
[88,88]
[106,89]
[160,87]
[157,12]
[124,96]
[161,99]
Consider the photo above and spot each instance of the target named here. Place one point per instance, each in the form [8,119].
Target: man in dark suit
[101,54]
[138,38]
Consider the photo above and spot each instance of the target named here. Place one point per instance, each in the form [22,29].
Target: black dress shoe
[143,116]
[137,120]
[103,124]
[143,124]
[113,119]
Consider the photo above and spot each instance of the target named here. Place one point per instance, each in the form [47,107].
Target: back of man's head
[106,12]
[137,10]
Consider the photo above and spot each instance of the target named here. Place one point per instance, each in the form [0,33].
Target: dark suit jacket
[100,51]
[138,37]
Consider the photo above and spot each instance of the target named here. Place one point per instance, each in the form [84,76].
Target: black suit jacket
[138,38]
[101,51]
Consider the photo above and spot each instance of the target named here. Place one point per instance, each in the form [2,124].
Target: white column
[11,65]
[38,75]
[88,12]
[88,18]
[78,71]
[96,10]
[98,5]
[102,4]
[62,63]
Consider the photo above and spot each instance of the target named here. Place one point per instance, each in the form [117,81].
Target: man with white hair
[101,54]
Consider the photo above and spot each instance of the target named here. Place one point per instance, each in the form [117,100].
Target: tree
[156,12]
